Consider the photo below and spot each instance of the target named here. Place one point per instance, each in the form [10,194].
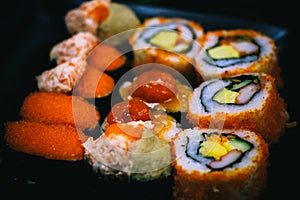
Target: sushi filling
[230,91]
[129,149]
[233,50]
[218,151]
[175,37]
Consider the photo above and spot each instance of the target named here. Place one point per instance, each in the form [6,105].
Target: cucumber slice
[241,84]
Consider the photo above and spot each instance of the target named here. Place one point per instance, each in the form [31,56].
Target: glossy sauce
[154,87]
[127,111]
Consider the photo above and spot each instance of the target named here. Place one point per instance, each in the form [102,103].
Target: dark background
[25,53]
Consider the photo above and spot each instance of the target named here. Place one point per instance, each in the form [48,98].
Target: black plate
[24,174]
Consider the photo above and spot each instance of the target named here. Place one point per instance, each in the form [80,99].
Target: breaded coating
[94,84]
[77,46]
[52,141]
[87,16]
[106,58]
[59,108]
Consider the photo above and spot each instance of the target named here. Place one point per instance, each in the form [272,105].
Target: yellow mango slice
[165,39]
[225,96]
[223,52]
[228,146]
[212,149]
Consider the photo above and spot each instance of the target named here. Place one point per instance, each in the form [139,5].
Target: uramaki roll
[219,164]
[129,151]
[230,52]
[249,101]
[168,41]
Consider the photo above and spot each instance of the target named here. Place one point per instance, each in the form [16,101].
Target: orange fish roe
[76,47]
[59,108]
[52,141]
[106,58]
[94,83]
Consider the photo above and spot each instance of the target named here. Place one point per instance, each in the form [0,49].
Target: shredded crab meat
[102,152]
[226,160]
[61,78]
[246,93]
[70,56]
[77,46]
[246,47]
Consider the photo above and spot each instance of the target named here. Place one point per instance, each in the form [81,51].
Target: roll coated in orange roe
[51,141]
[59,108]
[106,58]
[94,84]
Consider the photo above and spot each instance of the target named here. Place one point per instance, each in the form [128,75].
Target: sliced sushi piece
[70,56]
[62,77]
[116,29]
[60,108]
[219,164]
[77,46]
[249,101]
[158,88]
[87,16]
[51,141]
[230,52]
[129,151]
[94,84]
[168,41]
[106,58]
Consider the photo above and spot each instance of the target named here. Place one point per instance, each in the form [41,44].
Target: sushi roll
[249,101]
[219,164]
[51,141]
[94,84]
[129,151]
[168,41]
[87,16]
[70,56]
[115,28]
[230,52]
[59,108]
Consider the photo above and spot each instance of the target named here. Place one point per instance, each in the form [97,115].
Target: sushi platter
[91,112]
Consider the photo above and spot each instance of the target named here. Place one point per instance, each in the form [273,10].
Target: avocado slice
[239,144]
[165,39]
[223,52]
[225,96]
